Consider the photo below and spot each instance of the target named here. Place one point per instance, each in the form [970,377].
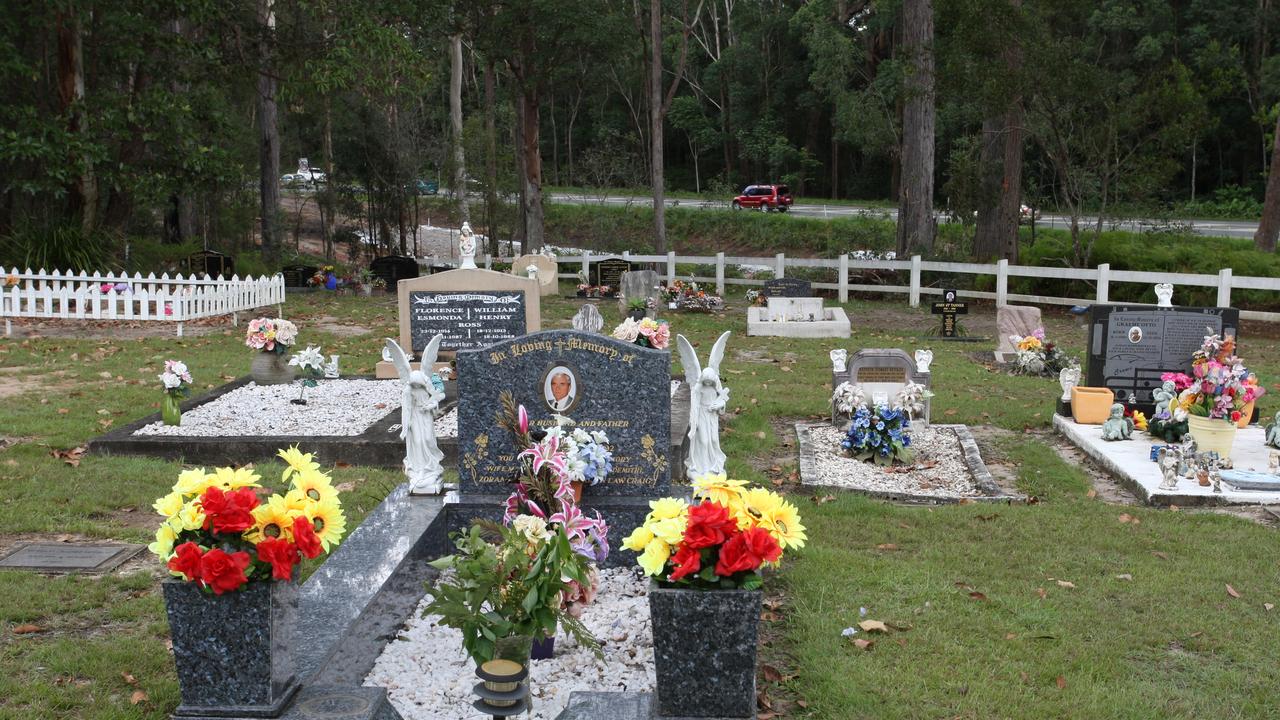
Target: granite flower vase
[271,368]
[171,409]
[233,652]
[704,652]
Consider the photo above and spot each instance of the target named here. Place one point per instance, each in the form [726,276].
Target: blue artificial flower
[906,441]
[889,415]
[875,441]
[884,450]
[880,425]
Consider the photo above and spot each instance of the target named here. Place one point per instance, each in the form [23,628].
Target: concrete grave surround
[547,270]
[1019,320]
[782,318]
[639,284]
[1129,347]
[463,284]
[883,371]
[1130,462]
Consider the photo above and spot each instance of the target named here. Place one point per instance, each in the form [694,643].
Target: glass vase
[516,648]
[171,410]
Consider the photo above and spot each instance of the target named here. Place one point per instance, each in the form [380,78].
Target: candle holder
[503,691]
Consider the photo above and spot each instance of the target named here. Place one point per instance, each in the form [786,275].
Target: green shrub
[58,247]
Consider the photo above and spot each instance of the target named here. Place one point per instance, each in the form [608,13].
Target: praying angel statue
[707,398]
[419,407]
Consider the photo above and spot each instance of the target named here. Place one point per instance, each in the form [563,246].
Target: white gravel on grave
[334,407]
[428,675]
[949,475]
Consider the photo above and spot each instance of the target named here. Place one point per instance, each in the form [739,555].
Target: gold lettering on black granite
[518,349]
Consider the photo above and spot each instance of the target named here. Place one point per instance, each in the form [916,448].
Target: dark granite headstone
[66,557]
[949,308]
[1131,346]
[211,263]
[297,276]
[608,271]
[393,269]
[787,287]
[469,319]
[617,387]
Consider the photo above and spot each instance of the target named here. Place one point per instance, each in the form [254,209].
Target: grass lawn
[1170,642]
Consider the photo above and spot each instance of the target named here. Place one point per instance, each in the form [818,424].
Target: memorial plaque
[601,383]
[1131,346]
[297,276]
[787,287]
[471,308]
[949,308]
[608,271]
[66,557]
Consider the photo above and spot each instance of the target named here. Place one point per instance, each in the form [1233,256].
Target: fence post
[843,292]
[586,266]
[915,281]
[720,274]
[671,267]
[1104,282]
[1002,282]
[780,265]
[1224,287]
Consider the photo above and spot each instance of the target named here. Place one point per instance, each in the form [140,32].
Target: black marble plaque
[608,271]
[393,269]
[1131,346]
[469,319]
[617,387]
[788,287]
[949,308]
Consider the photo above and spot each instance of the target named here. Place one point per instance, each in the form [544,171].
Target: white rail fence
[1102,277]
[98,296]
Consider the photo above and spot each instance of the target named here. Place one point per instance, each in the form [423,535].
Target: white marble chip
[939,469]
[428,675]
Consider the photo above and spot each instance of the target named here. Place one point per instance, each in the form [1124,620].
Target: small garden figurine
[1273,432]
[1170,459]
[1163,397]
[1117,427]
[708,398]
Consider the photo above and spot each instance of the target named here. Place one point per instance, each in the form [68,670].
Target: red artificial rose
[305,535]
[282,555]
[186,560]
[746,551]
[763,545]
[687,561]
[224,572]
[709,525]
[1235,416]
[229,512]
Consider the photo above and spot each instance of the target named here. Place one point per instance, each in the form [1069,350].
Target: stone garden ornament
[467,247]
[1117,427]
[707,397]
[924,358]
[1170,460]
[1068,378]
[840,360]
[419,408]
[1164,295]
[1165,395]
[1273,432]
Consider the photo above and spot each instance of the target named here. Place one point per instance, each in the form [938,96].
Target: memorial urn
[271,368]
[704,652]
[233,652]
[1212,434]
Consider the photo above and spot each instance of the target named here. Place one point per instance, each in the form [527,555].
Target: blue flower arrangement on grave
[881,435]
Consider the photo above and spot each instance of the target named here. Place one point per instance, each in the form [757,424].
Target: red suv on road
[765,198]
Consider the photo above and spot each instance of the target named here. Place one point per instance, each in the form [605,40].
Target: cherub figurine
[1170,459]
[1273,432]
[707,397]
[1117,427]
[1187,451]
[419,407]
[1163,397]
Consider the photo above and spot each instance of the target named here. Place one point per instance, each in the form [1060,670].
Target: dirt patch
[17,380]
[334,326]
[764,357]
[116,329]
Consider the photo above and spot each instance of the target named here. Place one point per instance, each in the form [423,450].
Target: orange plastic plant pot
[1091,405]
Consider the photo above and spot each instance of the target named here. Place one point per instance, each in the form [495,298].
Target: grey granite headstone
[882,372]
[1131,346]
[588,319]
[618,387]
[65,557]
[787,287]
[608,271]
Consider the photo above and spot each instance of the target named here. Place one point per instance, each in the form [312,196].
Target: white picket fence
[99,296]
[1101,277]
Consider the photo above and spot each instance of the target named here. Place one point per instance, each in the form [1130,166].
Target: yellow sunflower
[232,478]
[192,482]
[169,505]
[783,523]
[756,503]
[272,519]
[314,485]
[719,489]
[297,462]
[328,521]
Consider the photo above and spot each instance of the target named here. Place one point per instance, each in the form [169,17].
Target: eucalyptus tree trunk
[1000,163]
[455,118]
[916,226]
[491,156]
[83,191]
[1265,238]
[658,178]
[268,134]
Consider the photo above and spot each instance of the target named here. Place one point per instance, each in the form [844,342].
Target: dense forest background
[173,122]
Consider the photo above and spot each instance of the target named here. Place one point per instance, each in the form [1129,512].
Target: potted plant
[231,602]
[365,280]
[1220,391]
[704,601]
[272,338]
[310,363]
[176,380]
[637,308]
[379,286]
[507,586]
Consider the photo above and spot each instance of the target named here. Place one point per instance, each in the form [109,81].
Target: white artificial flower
[286,332]
[598,436]
[170,381]
[310,359]
[575,467]
[580,436]
[627,331]
[178,368]
[534,528]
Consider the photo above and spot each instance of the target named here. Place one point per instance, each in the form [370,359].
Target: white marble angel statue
[707,398]
[467,247]
[419,407]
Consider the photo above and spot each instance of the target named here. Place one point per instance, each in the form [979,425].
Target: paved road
[1213,228]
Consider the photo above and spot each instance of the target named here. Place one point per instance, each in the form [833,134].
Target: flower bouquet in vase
[707,561]
[1221,390]
[231,602]
[272,338]
[647,333]
[176,380]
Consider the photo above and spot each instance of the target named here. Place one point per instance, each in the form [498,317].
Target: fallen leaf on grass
[1062,682]
[873,626]
[138,697]
[886,546]
[1232,591]
[1091,494]
[63,411]
[1161,555]
[951,412]
[70,457]
[1267,606]
[1042,593]
[977,596]
[863,644]
[1197,634]
[1125,576]
[1010,636]
[1066,584]
[988,518]
[771,673]
[823,499]
[1127,518]
[27,629]
[760,434]
[129,678]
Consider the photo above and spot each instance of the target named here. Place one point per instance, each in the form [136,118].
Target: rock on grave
[882,373]
[639,284]
[588,319]
[1021,320]
[547,270]
[787,287]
